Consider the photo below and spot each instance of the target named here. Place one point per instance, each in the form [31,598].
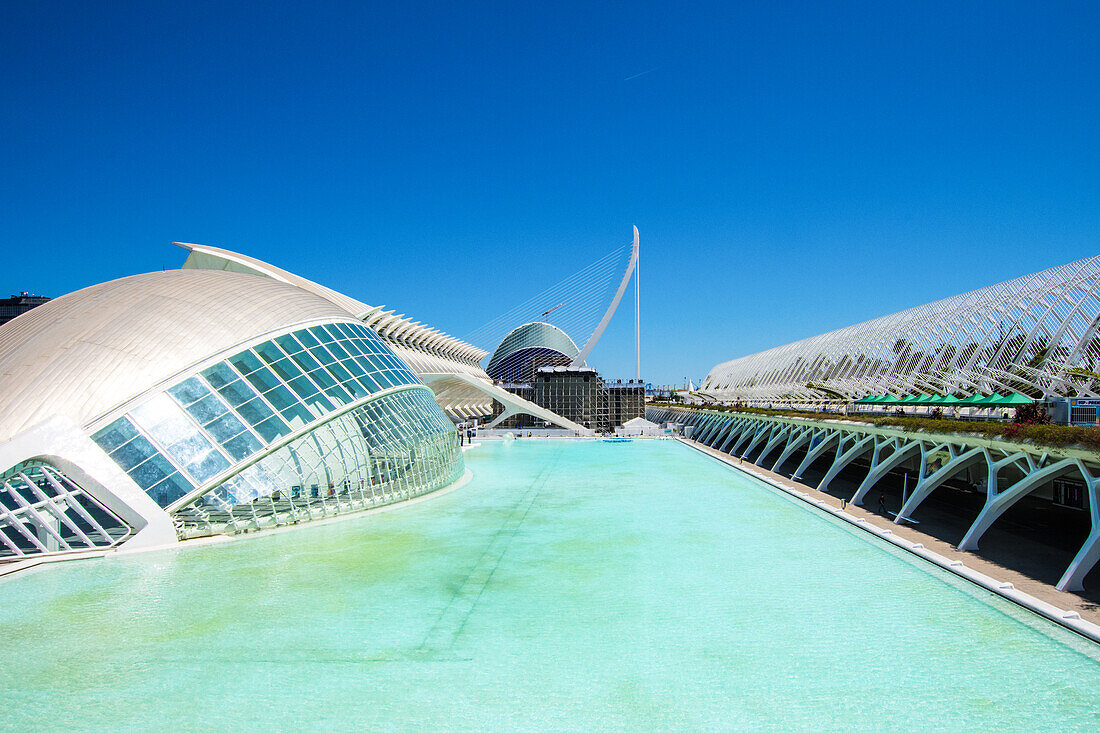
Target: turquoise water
[571,584]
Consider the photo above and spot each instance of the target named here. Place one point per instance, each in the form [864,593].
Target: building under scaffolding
[578,394]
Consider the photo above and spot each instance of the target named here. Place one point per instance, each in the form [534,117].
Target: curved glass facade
[189,440]
[393,448]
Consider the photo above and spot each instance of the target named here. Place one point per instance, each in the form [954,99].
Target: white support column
[997,503]
[776,439]
[761,433]
[716,424]
[1089,553]
[829,437]
[719,433]
[749,432]
[796,441]
[929,483]
[720,426]
[881,467]
[737,429]
[860,447]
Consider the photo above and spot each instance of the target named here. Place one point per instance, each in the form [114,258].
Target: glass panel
[152,471]
[413,452]
[285,369]
[320,334]
[245,362]
[255,411]
[188,391]
[294,412]
[281,398]
[219,375]
[269,352]
[272,429]
[352,346]
[225,427]
[170,489]
[180,438]
[306,389]
[263,380]
[353,366]
[338,351]
[334,332]
[288,344]
[321,354]
[236,393]
[339,372]
[115,434]
[307,339]
[305,361]
[133,453]
[370,383]
[310,395]
[205,465]
[207,409]
[242,446]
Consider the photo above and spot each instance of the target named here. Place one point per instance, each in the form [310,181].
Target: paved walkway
[1089,610]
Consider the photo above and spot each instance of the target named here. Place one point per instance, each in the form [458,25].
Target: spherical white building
[527,348]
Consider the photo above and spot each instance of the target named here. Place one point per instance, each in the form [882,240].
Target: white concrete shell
[84,354]
[531,338]
[383,322]
[192,402]
[425,350]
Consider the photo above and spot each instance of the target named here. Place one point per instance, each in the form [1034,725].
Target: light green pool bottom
[571,584]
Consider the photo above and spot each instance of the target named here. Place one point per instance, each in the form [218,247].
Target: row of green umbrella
[994,400]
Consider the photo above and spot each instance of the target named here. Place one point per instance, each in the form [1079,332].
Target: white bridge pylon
[580,306]
[595,337]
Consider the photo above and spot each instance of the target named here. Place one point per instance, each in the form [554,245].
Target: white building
[171,405]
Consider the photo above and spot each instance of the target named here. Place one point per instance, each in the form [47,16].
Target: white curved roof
[398,328]
[535,334]
[85,353]
[1035,334]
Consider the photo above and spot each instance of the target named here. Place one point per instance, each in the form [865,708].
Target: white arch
[591,344]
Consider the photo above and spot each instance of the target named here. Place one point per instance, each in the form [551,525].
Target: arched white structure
[528,347]
[1036,334]
[595,337]
[190,402]
[424,349]
[432,355]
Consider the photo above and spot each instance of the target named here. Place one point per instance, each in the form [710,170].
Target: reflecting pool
[571,584]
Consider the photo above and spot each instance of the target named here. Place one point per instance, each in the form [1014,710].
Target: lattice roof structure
[1035,334]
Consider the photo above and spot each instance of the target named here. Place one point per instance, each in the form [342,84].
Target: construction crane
[548,312]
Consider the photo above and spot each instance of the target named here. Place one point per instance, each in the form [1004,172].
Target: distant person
[882,502]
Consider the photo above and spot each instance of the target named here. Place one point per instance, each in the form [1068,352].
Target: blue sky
[792,167]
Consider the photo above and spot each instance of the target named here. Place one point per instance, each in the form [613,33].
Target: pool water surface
[570,584]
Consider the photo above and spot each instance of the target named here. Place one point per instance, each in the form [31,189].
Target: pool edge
[1070,620]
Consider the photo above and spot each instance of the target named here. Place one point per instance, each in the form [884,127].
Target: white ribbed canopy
[85,353]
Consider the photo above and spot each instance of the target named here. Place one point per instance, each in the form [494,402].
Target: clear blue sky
[792,168]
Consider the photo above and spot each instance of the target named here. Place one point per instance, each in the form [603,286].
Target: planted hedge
[1052,435]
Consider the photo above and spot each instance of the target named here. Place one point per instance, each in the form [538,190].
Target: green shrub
[1038,433]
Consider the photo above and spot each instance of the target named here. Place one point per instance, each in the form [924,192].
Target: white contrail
[641,73]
